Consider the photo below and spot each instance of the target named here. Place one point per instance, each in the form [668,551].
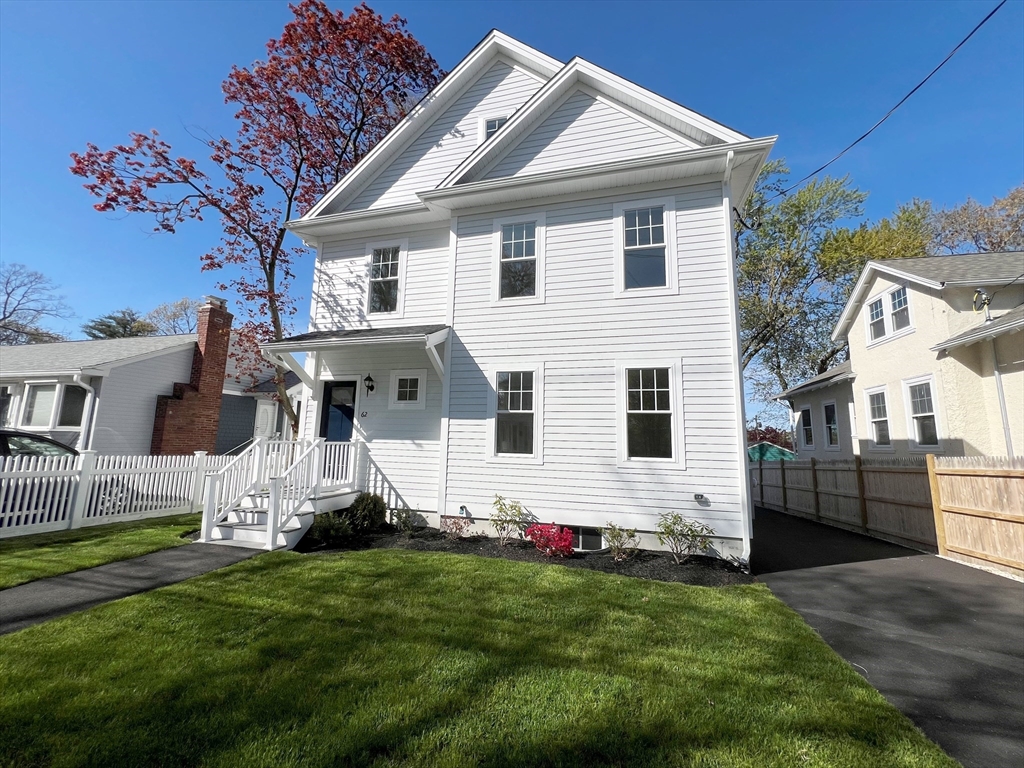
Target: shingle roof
[962,269]
[841,372]
[1008,323]
[74,356]
[267,385]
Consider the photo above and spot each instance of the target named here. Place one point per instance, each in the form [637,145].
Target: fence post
[940,524]
[814,489]
[760,481]
[86,467]
[209,507]
[199,482]
[860,493]
[273,506]
[321,457]
[782,479]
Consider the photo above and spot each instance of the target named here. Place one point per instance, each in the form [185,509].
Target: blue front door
[339,411]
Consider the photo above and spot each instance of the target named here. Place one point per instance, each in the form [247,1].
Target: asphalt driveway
[943,642]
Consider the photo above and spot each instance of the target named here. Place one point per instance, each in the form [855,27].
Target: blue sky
[816,74]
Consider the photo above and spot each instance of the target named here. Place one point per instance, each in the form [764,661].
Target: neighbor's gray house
[527,289]
[936,363]
[103,395]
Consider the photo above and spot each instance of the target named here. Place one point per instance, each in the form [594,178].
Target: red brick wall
[187,420]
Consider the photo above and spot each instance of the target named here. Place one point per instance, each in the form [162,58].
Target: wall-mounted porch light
[368,383]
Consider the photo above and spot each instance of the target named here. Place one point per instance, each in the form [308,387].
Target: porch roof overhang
[320,341]
[1011,322]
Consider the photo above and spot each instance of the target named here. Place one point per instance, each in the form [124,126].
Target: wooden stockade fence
[978,507]
[885,498]
[966,508]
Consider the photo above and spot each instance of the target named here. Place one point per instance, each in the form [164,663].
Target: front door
[266,418]
[339,411]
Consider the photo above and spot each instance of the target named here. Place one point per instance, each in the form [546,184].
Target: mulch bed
[645,564]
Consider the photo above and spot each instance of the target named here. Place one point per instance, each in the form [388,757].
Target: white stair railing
[226,489]
[294,487]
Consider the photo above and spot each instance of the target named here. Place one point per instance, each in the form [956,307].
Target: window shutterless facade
[888,314]
[407,390]
[806,428]
[648,413]
[645,260]
[514,420]
[878,414]
[386,279]
[922,413]
[518,268]
[831,416]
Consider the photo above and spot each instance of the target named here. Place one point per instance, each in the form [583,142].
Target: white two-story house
[936,363]
[527,289]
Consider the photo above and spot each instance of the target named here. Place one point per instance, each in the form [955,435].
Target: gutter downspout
[87,416]
[1002,398]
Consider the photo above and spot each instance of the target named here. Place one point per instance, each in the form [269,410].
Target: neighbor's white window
[878,414]
[6,406]
[408,390]
[831,424]
[519,259]
[515,414]
[644,250]
[888,314]
[806,429]
[53,406]
[922,413]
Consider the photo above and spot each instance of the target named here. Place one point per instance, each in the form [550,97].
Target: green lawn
[390,657]
[27,558]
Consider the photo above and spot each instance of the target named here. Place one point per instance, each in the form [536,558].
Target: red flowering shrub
[551,539]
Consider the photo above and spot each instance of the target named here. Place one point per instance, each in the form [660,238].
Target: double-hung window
[514,427]
[888,314]
[518,271]
[648,413]
[806,429]
[878,414]
[644,247]
[922,413]
[831,415]
[385,279]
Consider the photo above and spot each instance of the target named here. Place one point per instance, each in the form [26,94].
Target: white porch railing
[339,465]
[293,488]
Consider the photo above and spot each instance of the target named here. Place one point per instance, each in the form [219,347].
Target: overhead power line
[888,114]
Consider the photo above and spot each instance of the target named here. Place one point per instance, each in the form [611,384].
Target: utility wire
[891,111]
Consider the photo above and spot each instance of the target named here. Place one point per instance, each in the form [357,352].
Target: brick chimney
[187,420]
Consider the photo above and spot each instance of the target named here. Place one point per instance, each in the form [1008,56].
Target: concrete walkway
[45,599]
[943,642]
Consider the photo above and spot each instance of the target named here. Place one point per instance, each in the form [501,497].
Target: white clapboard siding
[342,277]
[584,130]
[404,472]
[498,92]
[579,333]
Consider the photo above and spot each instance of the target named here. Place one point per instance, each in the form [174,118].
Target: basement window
[586,539]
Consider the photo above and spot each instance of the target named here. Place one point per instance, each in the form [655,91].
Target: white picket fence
[50,493]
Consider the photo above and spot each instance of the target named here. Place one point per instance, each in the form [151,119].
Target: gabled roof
[968,270]
[841,372]
[1011,322]
[93,357]
[420,117]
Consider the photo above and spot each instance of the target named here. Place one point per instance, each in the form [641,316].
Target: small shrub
[404,520]
[552,540]
[508,519]
[683,537]
[367,512]
[455,527]
[622,542]
[330,528]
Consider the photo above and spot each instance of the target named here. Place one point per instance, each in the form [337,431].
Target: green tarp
[769,452]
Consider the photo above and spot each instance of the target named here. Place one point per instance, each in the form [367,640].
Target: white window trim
[675,384]
[912,443]
[403,405]
[537,457]
[800,428]
[58,403]
[618,243]
[890,334]
[481,126]
[539,220]
[14,406]
[403,262]
[824,427]
[872,445]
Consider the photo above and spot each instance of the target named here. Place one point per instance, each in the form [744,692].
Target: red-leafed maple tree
[330,87]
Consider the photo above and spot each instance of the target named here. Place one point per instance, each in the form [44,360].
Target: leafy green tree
[122,324]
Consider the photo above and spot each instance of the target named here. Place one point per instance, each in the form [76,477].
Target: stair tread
[257,526]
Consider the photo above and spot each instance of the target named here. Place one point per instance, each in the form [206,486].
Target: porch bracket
[288,361]
[431,341]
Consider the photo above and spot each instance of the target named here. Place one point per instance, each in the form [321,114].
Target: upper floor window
[644,247]
[888,314]
[492,125]
[384,279]
[922,413]
[519,262]
[806,430]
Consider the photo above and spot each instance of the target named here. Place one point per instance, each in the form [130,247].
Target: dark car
[15,443]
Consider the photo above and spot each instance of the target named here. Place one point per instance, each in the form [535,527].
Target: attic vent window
[491,126]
